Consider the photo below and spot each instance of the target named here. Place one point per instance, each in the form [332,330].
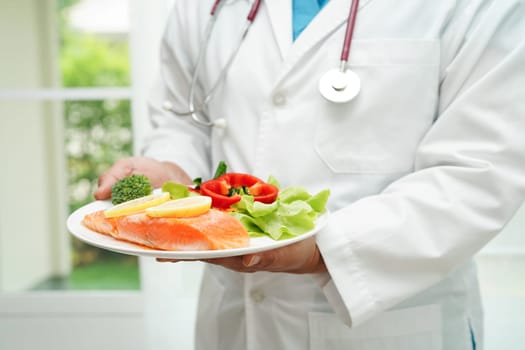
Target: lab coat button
[257,295]
[279,99]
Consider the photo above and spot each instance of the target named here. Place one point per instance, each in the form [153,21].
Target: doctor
[425,161]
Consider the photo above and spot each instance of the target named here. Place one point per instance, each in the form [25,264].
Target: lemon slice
[182,207]
[136,205]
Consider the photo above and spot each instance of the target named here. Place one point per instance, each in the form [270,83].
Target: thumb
[120,169]
[103,190]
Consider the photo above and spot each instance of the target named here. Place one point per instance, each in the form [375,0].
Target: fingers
[157,172]
[273,260]
[301,257]
[162,260]
[251,260]
[120,169]
[232,263]
[105,182]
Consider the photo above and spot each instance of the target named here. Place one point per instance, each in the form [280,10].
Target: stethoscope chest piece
[338,86]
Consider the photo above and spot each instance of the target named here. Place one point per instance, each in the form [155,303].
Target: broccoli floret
[130,187]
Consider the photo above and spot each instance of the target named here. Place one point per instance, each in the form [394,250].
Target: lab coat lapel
[333,15]
[280,14]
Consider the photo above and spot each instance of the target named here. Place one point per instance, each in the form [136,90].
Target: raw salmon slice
[212,230]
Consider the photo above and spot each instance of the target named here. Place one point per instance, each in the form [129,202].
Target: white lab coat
[425,166]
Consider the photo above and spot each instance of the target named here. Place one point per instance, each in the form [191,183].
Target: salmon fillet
[98,222]
[212,230]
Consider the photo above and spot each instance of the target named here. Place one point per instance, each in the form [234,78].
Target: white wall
[32,206]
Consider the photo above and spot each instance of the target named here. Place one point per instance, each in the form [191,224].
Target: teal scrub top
[303,11]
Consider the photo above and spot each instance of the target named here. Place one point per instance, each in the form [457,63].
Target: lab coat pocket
[414,328]
[379,131]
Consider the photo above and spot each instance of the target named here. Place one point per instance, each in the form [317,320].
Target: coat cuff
[344,285]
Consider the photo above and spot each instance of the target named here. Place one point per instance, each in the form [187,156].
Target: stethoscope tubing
[249,20]
[217,6]
[349,33]
[327,89]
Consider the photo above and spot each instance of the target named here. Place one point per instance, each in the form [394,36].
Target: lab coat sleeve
[177,139]
[469,179]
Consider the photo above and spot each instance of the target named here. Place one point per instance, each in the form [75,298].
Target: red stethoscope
[338,85]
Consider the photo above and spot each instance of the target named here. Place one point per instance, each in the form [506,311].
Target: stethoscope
[338,85]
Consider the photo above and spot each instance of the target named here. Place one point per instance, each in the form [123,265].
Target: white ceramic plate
[96,239]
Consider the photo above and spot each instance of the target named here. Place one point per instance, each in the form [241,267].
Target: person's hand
[157,172]
[300,257]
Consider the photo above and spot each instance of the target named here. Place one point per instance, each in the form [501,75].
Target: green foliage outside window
[97,132]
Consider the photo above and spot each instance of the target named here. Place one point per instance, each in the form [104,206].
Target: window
[53,134]
[95,54]
[88,90]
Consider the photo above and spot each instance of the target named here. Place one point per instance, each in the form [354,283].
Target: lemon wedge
[137,205]
[182,207]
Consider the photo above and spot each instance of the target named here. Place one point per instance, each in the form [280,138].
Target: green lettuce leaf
[293,213]
[176,190]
